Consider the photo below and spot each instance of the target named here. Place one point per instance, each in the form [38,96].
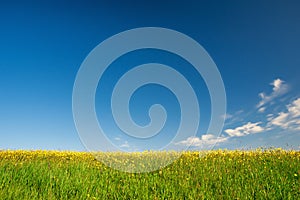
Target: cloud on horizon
[204,141]
[125,145]
[286,120]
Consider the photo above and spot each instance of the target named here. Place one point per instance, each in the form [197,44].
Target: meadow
[216,174]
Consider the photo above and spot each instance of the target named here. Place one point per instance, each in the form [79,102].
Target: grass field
[268,174]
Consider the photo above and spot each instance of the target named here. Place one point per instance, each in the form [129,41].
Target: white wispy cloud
[125,145]
[279,88]
[289,119]
[227,116]
[262,109]
[204,140]
[233,117]
[246,129]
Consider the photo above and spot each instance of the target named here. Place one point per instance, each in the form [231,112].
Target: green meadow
[217,174]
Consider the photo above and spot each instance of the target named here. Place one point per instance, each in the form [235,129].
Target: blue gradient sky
[43,43]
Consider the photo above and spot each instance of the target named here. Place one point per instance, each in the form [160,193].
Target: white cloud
[227,116]
[270,117]
[205,140]
[294,108]
[234,117]
[279,88]
[125,145]
[117,138]
[249,128]
[262,109]
[289,119]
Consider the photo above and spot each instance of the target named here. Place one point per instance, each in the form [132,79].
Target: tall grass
[271,174]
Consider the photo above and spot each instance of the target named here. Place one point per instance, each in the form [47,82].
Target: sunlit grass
[269,174]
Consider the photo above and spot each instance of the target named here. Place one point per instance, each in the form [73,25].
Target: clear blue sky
[255,45]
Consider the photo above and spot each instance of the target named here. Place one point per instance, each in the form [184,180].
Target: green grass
[272,174]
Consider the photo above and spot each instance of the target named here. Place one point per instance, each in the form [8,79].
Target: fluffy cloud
[210,139]
[279,88]
[289,119]
[205,140]
[249,128]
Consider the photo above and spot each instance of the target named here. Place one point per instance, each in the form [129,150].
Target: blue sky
[254,44]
